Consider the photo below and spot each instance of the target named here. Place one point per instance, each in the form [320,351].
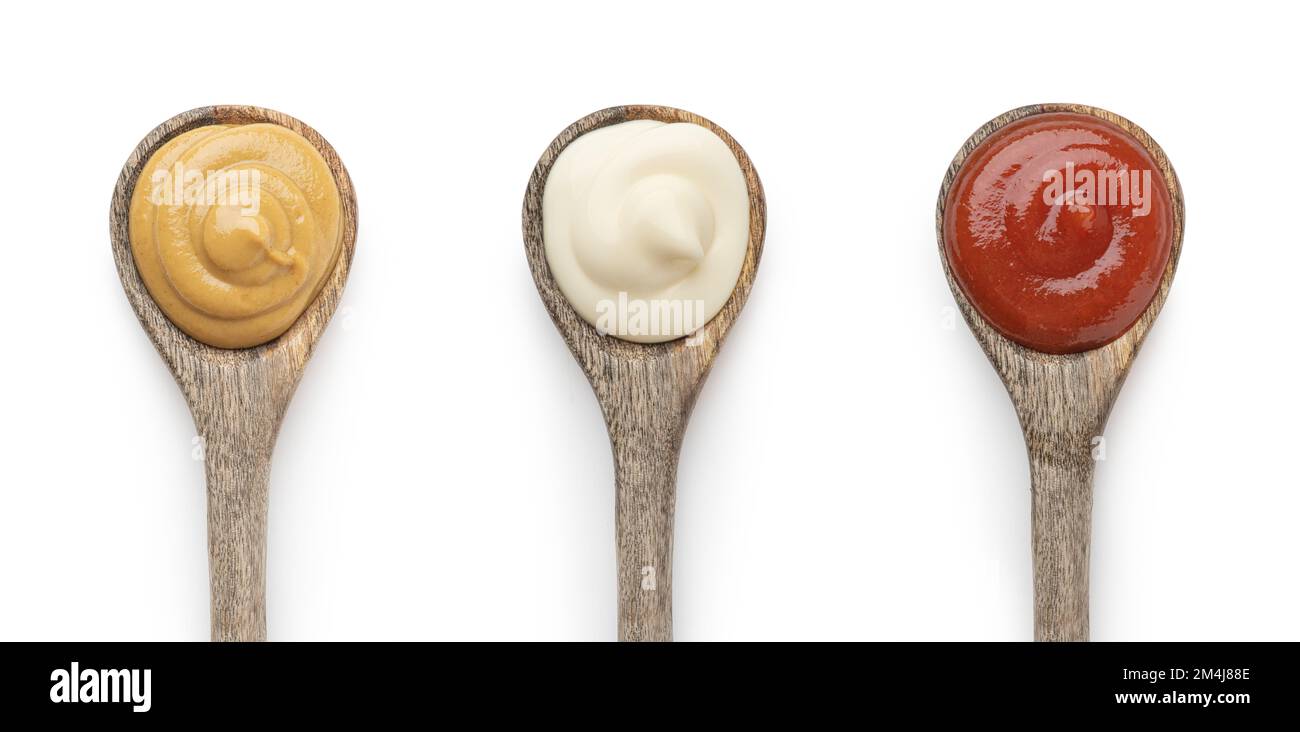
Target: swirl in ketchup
[1058,228]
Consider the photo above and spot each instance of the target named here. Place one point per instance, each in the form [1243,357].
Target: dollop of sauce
[1058,229]
[234,230]
[646,226]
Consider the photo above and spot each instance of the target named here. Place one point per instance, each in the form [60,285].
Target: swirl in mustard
[234,230]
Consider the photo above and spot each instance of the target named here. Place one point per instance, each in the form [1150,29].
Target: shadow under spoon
[237,397]
[646,390]
[1062,402]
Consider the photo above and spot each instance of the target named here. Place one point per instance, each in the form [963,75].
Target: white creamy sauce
[646,225]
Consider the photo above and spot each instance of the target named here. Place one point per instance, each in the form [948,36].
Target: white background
[853,470]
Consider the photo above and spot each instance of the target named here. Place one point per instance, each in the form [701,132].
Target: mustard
[234,230]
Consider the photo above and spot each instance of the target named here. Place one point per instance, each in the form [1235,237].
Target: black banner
[141,682]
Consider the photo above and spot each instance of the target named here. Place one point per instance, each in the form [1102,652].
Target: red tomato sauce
[1058,228]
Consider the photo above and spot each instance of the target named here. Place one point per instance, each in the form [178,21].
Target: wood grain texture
[237,397]
[646,391]
[1062,402]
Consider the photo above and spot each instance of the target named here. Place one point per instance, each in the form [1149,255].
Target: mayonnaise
[646,226]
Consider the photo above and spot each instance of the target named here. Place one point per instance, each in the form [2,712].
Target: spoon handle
[238,420]
[646,489]
[1061,475]
[646,426]
[237,458]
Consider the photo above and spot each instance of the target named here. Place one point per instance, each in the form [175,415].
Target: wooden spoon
[1062,402]
[645,390]
[237,397]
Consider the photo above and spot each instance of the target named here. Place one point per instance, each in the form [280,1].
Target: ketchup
[1058,228]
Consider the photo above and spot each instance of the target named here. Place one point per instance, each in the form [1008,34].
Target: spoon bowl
[646,390]
[237,397]
[1062,402]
